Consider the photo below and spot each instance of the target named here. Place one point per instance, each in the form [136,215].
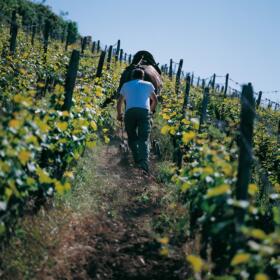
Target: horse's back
[151,75]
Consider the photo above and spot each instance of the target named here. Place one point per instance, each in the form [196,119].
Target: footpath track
[116,242]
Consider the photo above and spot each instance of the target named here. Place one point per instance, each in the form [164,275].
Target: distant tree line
[36,15]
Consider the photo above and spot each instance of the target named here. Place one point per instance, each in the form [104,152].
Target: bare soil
[118,242]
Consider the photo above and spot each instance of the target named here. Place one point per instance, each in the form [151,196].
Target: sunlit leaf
[164,251]
[196,263]
[240,258]
[40,85]
[258,234]
[220,190]
[91,144]
[186,186]
[5,167]
[14,124]
[163,240]
[106,139]
[261,276]
[93,125]
[62,126]
[188,136]
[24,156]
[252,189]
[44,177]
[165,130]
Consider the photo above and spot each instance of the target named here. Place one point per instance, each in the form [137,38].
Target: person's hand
[120,117]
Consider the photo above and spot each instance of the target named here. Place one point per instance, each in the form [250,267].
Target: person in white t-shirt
[141,100]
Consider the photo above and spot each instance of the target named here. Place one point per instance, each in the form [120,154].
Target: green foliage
[40,143]
[206,185]
[72,32]
[36,14]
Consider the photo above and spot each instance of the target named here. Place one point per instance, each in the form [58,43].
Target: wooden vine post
[187,94]
[171,69]
[166,69]
[203,113]
[217,88]
[203,84]
[109,58]
[278,132]
[247,117]
[47,30]
[259,99]
[98,46]
[226,85]
[63,35]
[100,64]
[71,80]
[178,76]
[13,33]
[33,35]
[67,36]
[213,81]
[118,50]
[93,46]
[198,81]
[84,44]
[178,155]
[192,78]
[129,59]
[121,56]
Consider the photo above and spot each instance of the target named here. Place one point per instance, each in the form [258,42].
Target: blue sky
[240,37]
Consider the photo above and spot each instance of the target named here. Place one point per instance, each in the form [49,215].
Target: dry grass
[102,229]
[40,240]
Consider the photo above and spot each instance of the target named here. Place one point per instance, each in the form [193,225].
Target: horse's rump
[145,61]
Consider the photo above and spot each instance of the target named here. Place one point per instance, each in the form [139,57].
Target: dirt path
[119,242]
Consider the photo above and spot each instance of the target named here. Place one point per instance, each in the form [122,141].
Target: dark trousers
[138,128]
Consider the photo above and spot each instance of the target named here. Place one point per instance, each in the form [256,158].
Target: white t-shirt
[137,94]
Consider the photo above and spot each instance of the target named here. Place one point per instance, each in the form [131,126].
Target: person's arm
[154,102]
[119,108]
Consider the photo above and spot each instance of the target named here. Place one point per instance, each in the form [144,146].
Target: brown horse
[145,61]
